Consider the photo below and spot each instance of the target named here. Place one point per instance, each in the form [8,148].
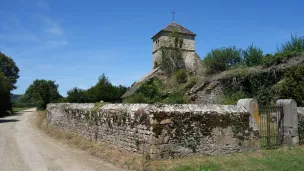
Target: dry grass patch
[112,155]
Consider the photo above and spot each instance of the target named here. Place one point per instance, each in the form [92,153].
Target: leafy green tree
[5,102]
[77,95]
[219,60]
[43,92]
[103,90]
[253,56]
[10,70]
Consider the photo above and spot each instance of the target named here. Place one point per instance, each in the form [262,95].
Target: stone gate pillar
[251,105]
[291,136]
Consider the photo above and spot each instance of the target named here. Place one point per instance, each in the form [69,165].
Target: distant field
[281,159]
[18,109]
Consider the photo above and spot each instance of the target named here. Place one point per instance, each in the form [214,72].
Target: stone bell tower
[188,46]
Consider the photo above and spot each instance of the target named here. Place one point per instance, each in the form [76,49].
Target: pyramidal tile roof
[179,27]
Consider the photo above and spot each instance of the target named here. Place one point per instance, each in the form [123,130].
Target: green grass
[18,109]
[271,160]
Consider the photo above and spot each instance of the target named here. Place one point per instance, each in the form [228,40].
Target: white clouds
[51,26]
[43,5]
[54,29]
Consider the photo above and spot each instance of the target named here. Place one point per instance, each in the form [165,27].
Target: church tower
[188,46]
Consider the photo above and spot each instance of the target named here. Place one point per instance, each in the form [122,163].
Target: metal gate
[271,126]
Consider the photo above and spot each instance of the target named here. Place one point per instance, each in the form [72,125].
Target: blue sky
[75,42]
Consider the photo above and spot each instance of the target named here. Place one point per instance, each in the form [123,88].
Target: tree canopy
[9,69]
[103,90]
[43,92]
[222,59]
[5,103]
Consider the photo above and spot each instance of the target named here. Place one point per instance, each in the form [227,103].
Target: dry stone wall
[162,131]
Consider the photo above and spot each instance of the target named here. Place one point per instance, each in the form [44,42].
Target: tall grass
[296,44]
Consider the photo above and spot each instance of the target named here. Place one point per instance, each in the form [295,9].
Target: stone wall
[163,131]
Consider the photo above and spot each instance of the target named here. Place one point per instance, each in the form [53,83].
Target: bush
[176,98]
[253,56]
[180,76]
[219,60]
[292,85]
[148,92]
[296,44]
[232,98]
[278,58]
[301,129]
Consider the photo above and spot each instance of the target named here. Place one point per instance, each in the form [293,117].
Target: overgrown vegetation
[296,44]
[171,53]
[223,59]
[148,92]
[292,86]
[266,86]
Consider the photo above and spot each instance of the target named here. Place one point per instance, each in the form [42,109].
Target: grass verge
[18,109]
[274,160]
[105,152]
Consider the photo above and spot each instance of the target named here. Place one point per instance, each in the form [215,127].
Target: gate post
[290,127]
[251,105]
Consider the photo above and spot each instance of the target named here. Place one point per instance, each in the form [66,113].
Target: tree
[103,90]
[77,95]
[10,70]
[5,102]
[219,60]
[253,56]
[43,92]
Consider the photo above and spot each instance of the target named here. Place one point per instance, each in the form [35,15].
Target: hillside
[260,82]
[216,88]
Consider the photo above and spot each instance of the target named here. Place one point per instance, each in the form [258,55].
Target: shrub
[176,98]
[296,44]
[292,85]
[278,58]
[301,129]
[180,76]
[253,56]
[232,98]
[219,60]
[148,92]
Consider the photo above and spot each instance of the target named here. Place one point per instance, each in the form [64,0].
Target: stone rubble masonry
[162,131]
[291,136]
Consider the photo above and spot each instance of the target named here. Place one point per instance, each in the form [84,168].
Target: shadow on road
[8,120]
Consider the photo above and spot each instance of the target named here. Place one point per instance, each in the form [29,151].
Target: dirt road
[24,147]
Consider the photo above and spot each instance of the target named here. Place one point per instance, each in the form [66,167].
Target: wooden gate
[271,126]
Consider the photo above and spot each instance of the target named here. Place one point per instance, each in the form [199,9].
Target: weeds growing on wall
[171,53]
